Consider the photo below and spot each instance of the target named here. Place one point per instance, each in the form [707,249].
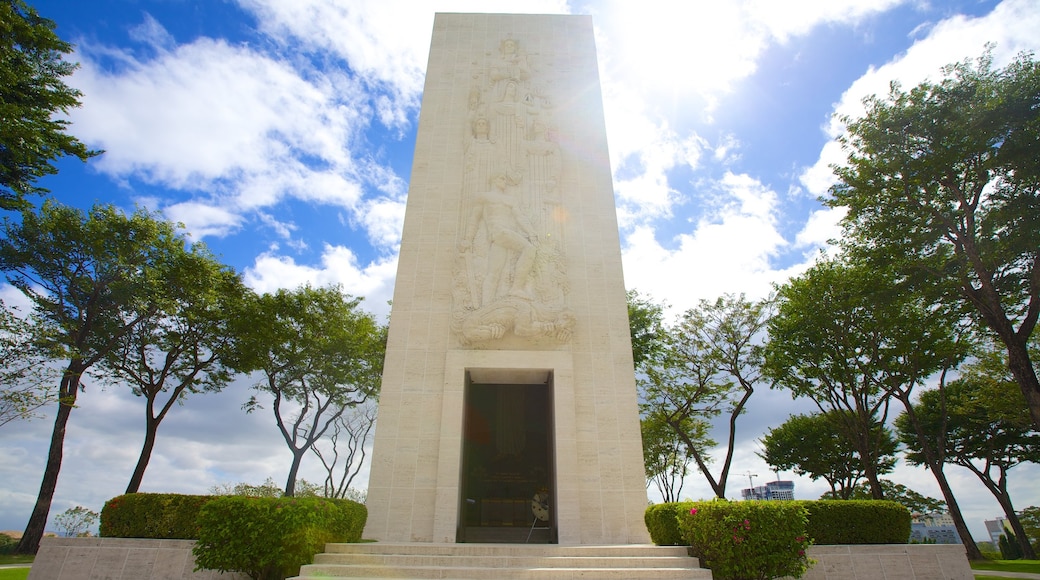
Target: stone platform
[502,562]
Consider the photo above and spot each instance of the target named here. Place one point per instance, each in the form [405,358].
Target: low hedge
[662,521]
[152,515]
[837,522]
[748,540]
[270,538]
[830,522]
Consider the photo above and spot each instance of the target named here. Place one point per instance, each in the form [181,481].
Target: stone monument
[508,410]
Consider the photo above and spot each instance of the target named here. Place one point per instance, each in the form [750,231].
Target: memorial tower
[508,410]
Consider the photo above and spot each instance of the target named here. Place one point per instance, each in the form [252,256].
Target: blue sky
[280,134]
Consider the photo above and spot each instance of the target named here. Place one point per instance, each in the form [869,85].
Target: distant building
[774,490]
[995,528]
[936,527]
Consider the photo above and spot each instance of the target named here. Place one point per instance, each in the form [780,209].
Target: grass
[14,573]
[16,559]
[1031,566]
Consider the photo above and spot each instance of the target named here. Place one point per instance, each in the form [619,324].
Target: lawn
[1032,566]
[14,573]
[16,559]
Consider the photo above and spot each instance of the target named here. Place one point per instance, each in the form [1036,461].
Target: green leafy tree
[666,457]
[850,336]
[942,184]
[1030,520]
[1010,548]
[914,501]
[179,348]
[26,380]
[33,100]
[817,446]
[707,366]
[646,326]
[89,278]
[76,522]
[986,429]
[319,355]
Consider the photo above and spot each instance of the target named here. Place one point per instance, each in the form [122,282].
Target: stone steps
[502,562]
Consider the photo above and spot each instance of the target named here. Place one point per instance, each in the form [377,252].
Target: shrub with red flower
[748,540]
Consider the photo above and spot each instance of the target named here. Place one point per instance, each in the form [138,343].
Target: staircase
[502,562]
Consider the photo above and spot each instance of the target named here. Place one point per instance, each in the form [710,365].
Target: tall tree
[180,347]
[708,365]
[818,446]
[33,99]
[982,420]
[346,442]
[319,355]
[666,457]
[91,279]
[943,183]
[850,336]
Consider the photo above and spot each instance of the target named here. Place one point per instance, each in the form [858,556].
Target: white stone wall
[119,559]
[514,274]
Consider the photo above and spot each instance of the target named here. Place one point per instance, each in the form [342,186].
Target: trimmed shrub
[270,538]
[662,521]
[835,522]
[748,540]
[152,515]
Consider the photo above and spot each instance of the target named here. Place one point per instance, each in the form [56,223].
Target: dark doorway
[507,458]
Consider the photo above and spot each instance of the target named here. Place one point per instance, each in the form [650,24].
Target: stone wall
[135,559]
[119,559]
[889,561]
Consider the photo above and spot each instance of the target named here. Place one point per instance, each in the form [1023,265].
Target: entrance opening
[508,476]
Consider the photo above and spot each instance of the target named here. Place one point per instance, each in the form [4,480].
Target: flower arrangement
[748,540]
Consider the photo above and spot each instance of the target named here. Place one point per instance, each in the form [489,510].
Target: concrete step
[502,562]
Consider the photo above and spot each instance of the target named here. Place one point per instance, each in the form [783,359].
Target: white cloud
[338,265]
[729,251]
[202,219]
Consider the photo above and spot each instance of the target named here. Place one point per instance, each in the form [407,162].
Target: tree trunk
[30,542]
[935,464]
[1022,369]
[294,469]
[1016,526]
[151,427]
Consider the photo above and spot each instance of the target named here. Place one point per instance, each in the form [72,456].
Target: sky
[281,134]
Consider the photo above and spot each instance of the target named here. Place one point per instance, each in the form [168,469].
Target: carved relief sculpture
[510,275]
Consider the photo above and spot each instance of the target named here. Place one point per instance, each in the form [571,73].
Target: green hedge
[834,522]
[662,521]
[748,540]
[831,522]
[270,538]
[152,515]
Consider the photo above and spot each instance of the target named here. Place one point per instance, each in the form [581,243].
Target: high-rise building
[773,490]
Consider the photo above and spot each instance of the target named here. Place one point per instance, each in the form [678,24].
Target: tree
[347,441]
[319,355]
[25,379]
[89,277]
[666,457]
[915,502]
[76,522]
[32,94]
[179,348]
[1030,519]
[646,326]
[942,183]
[985,428]
[851,336]
[707,365]
[817,446]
